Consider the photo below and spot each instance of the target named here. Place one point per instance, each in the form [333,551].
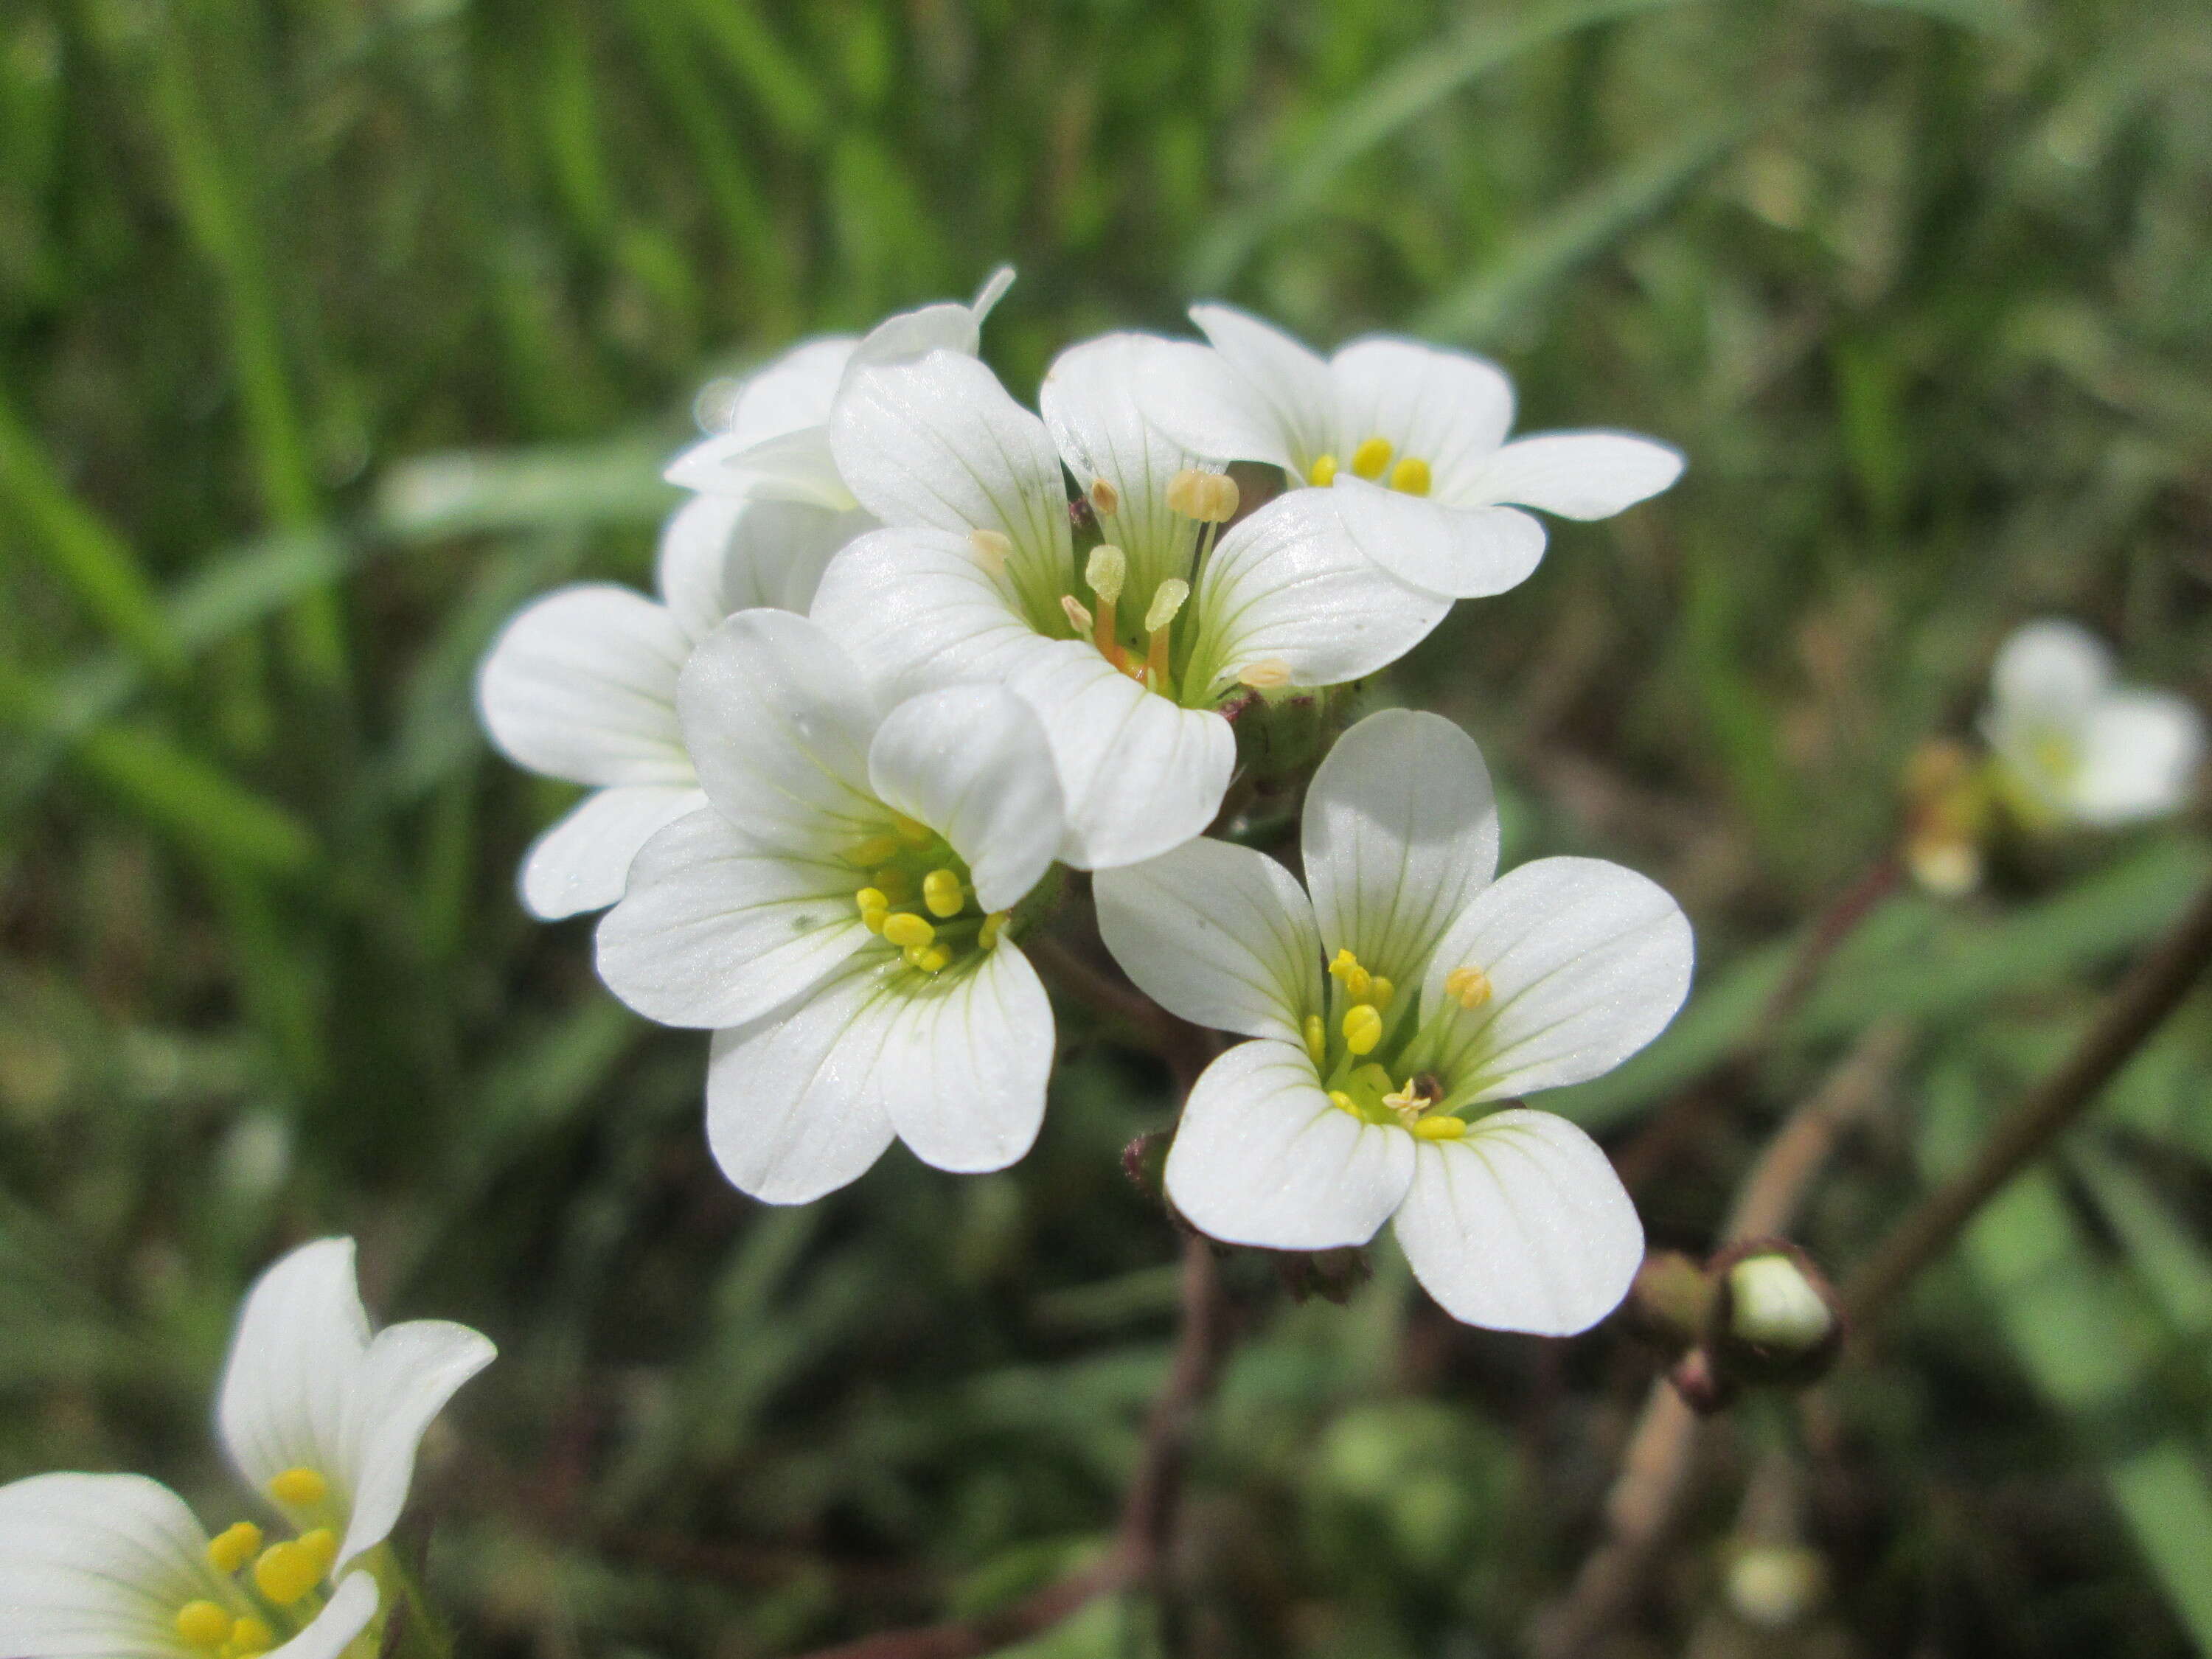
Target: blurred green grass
[329,330]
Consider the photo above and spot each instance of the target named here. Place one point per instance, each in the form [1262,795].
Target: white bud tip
[1774,1306]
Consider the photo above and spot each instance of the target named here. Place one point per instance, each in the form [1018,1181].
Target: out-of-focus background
[331,330]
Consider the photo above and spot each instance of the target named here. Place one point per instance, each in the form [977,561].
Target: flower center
[1208,500]
[1377,1061]
[1371,460]
[920,898]
[282,1577]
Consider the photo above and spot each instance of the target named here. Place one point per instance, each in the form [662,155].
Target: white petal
[715,931]
[1140,775]
[964,1064]
[1576,475]
[1293,399]
[2139,751]
[721,555]
[793,392]
[778,721]
[95,1566]
[1400,830]
[1092,403]
[1521,1225]
[937,443]
[2050,670]
[582,861]
[1217,934]
[1461,552]
[333,1631]
[1290,586]
[917,611]
[581,685]
[1587,963]
[301,1335]
[410,1372]
[1447,407]
[796,466]
[791,1109]
[972,762]
[1262,1158]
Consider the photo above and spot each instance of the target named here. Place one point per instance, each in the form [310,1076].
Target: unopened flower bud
[1775,1586]
[1771,1305]
[1776,1320]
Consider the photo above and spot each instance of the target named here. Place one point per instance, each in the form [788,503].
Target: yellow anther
[1344,1102]
[1322,471]
[1440,1127]
[1362,1029]
[940,891]
[1343,963]
[913,830]
[907,929]
[321,1548]
[1316,1035]
[1410,475]
[1380,991]
[300,1489]
[1168,598]
[1264,675]
[250,1636]
[234,1547]
[992,548]
[1104,571]
[1222,499]
[286,1572]
[874,850]
[203,1624]
[1078,615]
[1105,498]
[1468,987]
[871,898]
[934,960]
[1371,457]
[994,925]
[1188,492]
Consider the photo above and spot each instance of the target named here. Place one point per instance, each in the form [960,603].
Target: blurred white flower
[836,914]
[1127,656]
[1444,992]
[321,1416]
[2075,746]
[1413,438]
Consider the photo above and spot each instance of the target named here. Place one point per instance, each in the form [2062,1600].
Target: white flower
[320,1417]
[837,913]
[1412,437]
[1127,650]
[581,684]
[776,443]
[1445,992]
[2075,746]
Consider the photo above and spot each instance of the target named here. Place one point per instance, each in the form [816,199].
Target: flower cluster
[919,649]
[321,1418]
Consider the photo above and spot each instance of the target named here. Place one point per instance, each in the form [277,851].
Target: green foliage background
[332,329]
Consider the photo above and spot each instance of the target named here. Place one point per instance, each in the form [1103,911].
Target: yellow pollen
[300,1488]
[1168,598]
[940,891]
[1104,571]
[1079,614]
[234,1547]
[203,1624]
[935,960]
[874,850]
[1187,492]
[1362,1029]
[1381,991]
[913,830]
[286,1572]
[1322,471]
[1344,1102]
[905,929]
[321,1546]
[1468,987]
[1105,498]
[250,1636]
[992,548]
[1440,1127]
[994,925]
[1316,1035]
[1410,475]
[1344,963]
[871,898]
[1264,675]
[1371,457]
